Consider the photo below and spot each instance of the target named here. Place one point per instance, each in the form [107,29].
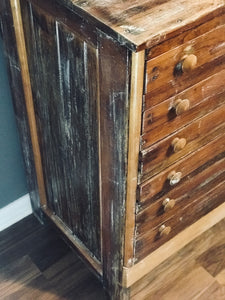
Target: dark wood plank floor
[35,263]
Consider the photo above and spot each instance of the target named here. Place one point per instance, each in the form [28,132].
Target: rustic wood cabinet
[120,107]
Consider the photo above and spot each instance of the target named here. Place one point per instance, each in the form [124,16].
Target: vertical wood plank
[114,107]
[64,78]
[16,13]
[135,114]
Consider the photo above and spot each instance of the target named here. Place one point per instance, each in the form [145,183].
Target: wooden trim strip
[99,154]
[135,117]
[88,256]
[21,49]
[135,273]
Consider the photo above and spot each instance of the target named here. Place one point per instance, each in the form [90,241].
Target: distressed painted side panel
[78,74]
[114,95]
[64,80]
[40,45]
[8,35]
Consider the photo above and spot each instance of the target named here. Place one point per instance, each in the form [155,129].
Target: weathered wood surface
[63,71]
[14,69]
[75,22]
[114,113]
[21,49]
[161,119]
[185,37]
[135,120]
[202,204]
[143,24]
[162,79]
[197,134]
[159,185]
[175,278]
[210,174]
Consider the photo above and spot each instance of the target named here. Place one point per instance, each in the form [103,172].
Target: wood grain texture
[31,270]
[87,256]
[114,116]
[196,134]
[175,271]
[161,72]
[195,187]
[82,81]
[213,261]
[64,80]
[170,249]
[21,48]
[214,291]
[146,23]
[152,214]
[185,37]
[159,185]
[61,275]
[203,97]
[202,203]
[136,95]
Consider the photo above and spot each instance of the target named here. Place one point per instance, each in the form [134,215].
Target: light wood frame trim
[135,117]
[21,49]
[135,273]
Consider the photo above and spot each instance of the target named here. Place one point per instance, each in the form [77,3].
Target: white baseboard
[15,211]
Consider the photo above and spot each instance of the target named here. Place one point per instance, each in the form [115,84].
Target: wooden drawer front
[162,80]
[197,134]
[160,184]
[146,242]
[153,214]
[186,36]
[161,120]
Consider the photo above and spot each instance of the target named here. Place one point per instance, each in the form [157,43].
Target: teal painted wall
[12,175]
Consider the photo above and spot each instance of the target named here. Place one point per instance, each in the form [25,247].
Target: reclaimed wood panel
[64,78]
[84,30]
[114,72]
[162,80]
[184,195]
[168,274]
[154,212]
[159,185]
[197,134]
[146,23]
[206,47]
[202,205]
[160,120]
[185,36]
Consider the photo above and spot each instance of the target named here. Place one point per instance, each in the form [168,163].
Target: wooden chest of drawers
[121,111]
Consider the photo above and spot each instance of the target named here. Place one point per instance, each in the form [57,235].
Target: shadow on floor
[35,263]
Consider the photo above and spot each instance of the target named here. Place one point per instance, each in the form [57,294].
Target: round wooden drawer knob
[168,204]
[174,177]
[164,230]
[189,62]
[178,144]
[181,106]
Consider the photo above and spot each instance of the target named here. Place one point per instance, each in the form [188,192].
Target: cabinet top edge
[143,24]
